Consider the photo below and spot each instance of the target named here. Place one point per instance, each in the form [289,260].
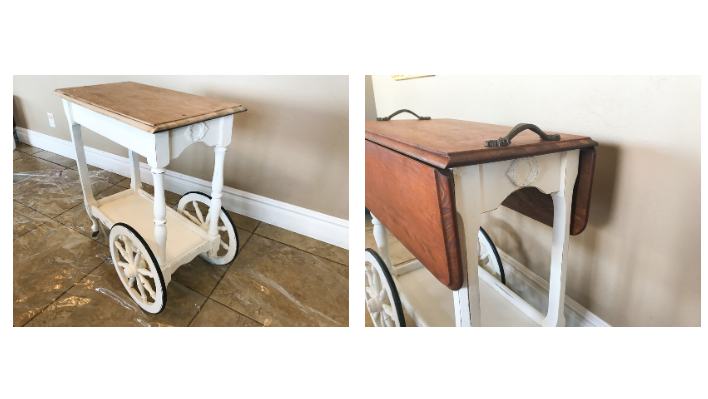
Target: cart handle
[505,141]
[388,118]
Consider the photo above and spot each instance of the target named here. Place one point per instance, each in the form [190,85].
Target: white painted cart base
[144,253]
[430,303]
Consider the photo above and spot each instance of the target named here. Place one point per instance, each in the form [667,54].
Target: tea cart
[148,240]
[429,180]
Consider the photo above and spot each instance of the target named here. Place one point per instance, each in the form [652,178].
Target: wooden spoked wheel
[137,268]
[196,206]
[382,300]
[488,257]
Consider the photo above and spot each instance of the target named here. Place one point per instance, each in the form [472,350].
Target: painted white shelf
[431,303]
[135,209]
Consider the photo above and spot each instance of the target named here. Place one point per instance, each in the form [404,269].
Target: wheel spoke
[142,292]
[388,310]
[192,218]
[377,282]
[371,292]
[375,316]
[222,228]
[137,259]
[224,245]
[370,277]
[146,284]
[198,211]
[128,249]
[146,273]
[131,280]
[121,250]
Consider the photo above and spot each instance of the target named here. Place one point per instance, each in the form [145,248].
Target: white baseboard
[303,221]
[534,290]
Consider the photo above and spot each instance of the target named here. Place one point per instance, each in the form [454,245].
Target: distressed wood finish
[150,109]
[447,143]
[416,203]
[539,206]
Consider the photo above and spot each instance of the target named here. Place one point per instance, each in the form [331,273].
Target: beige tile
[399,253]
[100,299]
[241,222]
[27,149]
[54,192]
[17,154]
[55,158]
[77,218]
[170,197]
[279,285]
[46,262]
[214,314]
[125,183]
[27,167]
[307,244]
[100,174]
[202,276]
[25,220]
[369,225]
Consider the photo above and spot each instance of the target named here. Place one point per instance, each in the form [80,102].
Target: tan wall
[291,145]
[638,263]
[370,108]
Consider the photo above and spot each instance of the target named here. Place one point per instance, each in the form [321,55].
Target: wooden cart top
[447,143]
[148,108]
[404,163]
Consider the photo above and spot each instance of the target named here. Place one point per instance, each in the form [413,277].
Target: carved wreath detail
[193,136]
[517,167]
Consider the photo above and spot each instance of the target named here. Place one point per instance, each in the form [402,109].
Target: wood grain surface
[446,143]
[416,202]
[539,206]
[148,108]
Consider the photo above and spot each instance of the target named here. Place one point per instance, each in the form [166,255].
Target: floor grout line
[248,317]
[217,284]
[300,249]
[62,294]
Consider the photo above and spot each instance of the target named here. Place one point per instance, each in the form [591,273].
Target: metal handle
[505,141]
[388,118]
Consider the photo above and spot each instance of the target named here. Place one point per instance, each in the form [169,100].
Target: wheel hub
[131,271]
[374,305]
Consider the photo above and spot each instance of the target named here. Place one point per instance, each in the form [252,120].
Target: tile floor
[64,277]
[399,256]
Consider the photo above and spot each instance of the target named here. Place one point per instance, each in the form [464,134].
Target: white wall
[638,261]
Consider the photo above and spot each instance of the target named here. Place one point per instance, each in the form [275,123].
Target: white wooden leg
[468,202]
[135,183]
[217,185]
[381,237]
[84,175]
[159,210]
[562,201]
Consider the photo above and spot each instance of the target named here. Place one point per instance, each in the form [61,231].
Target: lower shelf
[136,210]
[431,303]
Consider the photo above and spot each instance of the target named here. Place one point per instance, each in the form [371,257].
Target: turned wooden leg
[562,201]
[84,175]
[160,211]
[217,186]
[381,237]
[468,203]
